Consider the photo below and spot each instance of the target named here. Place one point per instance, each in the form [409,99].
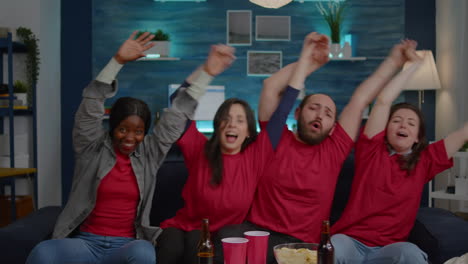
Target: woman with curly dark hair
[106,218]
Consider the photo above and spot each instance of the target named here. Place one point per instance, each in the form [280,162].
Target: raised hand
[403,52]
[315,50]
[219,59]
[132,49]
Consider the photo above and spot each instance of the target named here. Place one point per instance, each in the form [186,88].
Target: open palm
[133,49]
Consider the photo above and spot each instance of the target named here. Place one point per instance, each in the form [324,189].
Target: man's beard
[310,138]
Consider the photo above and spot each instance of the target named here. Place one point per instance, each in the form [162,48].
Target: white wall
[43,18]
[452,64]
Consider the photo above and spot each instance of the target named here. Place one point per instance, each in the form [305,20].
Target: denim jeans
[350,250]
[91,248]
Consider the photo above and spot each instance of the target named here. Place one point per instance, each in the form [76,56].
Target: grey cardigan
[95,157]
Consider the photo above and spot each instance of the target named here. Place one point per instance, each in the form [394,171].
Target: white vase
[161,47]
[22,98]
[347,52]
[335,50]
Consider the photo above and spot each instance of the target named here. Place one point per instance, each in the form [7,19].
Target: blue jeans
[91,248]
[350,250]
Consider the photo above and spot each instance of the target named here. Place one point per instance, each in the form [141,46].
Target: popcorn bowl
[296,253]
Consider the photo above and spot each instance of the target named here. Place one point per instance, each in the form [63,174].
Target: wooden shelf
[349,59]
[159,59]
[11,172]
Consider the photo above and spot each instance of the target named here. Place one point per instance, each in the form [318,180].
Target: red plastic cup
[257,246]
[234,250]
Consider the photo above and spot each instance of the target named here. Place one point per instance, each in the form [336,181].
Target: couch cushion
[19,238]
[446,233]
[170,181]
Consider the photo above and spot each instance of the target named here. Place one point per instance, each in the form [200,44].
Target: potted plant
[333,14]
[32,59]
[162,44]
[20,90]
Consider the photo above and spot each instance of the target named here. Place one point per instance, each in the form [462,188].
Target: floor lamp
[425,78]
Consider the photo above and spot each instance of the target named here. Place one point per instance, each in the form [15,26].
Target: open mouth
[316,125]
[128,147]
[402,134]
[231,137]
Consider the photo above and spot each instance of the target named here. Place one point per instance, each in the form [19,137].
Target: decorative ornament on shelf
[271,3]
[161,49]
[333,13]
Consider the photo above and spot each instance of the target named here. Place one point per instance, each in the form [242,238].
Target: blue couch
[438,232]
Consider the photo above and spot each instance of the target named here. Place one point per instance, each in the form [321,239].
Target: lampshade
[426,77]
[271,3]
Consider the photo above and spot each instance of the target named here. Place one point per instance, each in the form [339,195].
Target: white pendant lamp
[271,3]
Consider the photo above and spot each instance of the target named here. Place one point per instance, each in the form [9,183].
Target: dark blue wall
[195,26]
[97,28]
[75,74]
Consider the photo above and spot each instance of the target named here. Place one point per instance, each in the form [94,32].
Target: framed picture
[208,104]
[239,27]
[273,28]
[263,63]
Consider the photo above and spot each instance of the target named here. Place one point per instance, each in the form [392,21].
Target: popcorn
[296,256]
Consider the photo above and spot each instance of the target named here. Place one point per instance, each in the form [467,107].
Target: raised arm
[219,59]
[455,140]
[173,121]
[379,115]
[88,119]
[314,54]
[351,116]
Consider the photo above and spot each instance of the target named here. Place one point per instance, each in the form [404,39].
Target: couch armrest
[440,233]
[20,237]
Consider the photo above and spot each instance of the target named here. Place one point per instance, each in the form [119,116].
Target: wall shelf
[302,1]
[441,194]
[196,1]
[349,59]
[159,59]
[458,195]
[16,110]
[18,47]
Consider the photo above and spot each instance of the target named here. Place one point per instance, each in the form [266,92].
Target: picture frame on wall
[239,27]
[273,28]
[263,63]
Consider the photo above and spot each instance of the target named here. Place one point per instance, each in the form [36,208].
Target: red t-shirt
[116,202]
[228,203]
[385,199]
[296,191]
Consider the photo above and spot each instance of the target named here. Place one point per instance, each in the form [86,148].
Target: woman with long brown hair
[393,161]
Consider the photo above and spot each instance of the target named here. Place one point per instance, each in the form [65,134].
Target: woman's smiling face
[128,134]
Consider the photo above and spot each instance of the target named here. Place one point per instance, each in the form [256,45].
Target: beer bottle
[325,251]
[205,245]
